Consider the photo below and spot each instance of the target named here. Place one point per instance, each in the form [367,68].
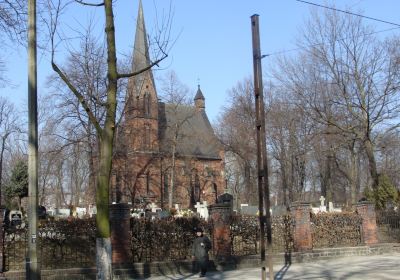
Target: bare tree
[236,132]
[13,15]
[86,68]
[347,78]
[105,130]
[178,101]
[9,124]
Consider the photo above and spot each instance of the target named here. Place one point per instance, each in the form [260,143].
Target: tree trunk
[103,257]
[328,177]
[103,242]
[282,163]
[292,181]
[353,177]
[250,189]
[172,180]
[372,163]
[92,177]
[3,147]
[284,183]
[106,137]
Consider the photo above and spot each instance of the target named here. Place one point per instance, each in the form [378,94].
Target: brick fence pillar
[369,230]
[120,234]
[302,226]
[220,216]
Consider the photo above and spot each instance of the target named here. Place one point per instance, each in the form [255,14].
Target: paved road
[381,267]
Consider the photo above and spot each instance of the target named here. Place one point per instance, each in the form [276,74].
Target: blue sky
[214,42]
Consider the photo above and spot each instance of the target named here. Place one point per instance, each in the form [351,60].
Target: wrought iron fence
[335,230]
[15,248]
[388,223]
[68,244]
[164,240]
[245,235]
[62,244]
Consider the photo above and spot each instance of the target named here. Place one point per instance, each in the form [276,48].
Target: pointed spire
[141,58]
[199,94]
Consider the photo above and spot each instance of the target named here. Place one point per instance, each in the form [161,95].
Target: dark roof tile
[195,136]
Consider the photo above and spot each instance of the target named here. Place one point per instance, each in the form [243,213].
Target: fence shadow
[288,262]
[279,275]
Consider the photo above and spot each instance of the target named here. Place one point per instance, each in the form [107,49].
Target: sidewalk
[379,267]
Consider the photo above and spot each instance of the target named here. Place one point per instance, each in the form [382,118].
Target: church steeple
[141,110]
[141,58]
[141,85]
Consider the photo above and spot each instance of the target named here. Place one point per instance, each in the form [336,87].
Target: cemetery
[113,158]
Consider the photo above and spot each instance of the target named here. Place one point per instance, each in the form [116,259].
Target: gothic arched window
[166,179]
[147,183]
[147,136]
[146,104]
[196,188]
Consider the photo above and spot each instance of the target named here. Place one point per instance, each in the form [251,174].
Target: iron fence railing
[245,235]
[388,223]
[164,240]
[62,244]
[72,243]
[335,230]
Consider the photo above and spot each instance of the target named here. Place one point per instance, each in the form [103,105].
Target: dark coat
[200,248]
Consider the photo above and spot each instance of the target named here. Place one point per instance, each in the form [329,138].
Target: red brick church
[164,149]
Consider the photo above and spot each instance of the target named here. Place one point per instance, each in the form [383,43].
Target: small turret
[199,100]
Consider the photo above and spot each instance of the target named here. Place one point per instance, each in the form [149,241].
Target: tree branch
[89,4]
[127,75]
[79,96]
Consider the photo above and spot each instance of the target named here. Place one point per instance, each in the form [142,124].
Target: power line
[318,44]
[347,12]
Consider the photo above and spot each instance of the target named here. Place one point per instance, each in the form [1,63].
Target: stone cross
[153,205]
[322,199]
[198,205]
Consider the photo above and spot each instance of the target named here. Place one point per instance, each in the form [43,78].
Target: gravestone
[202,209]
[322,207]
[249,210]
[225,198]
[330,208]
[279,210]
[154,208]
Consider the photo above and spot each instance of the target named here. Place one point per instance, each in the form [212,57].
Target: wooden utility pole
[32,264]
[262,163]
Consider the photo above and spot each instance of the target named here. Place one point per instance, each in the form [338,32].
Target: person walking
[200,248]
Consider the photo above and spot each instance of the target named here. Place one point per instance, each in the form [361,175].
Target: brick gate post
[302,226]
[369,233]
[120,234]
[220,216]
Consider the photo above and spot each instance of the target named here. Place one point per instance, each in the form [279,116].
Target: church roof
[193,131]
